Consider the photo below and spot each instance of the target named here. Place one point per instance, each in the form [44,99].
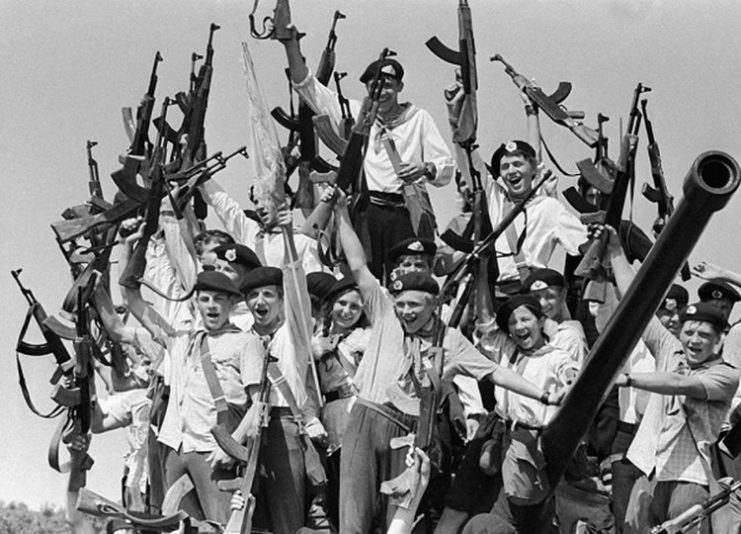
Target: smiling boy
[396,359]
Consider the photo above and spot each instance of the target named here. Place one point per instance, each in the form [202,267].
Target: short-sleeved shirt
[674,427]
[547,368]
[386,361]
[191,411]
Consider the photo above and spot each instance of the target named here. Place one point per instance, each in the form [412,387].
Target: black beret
[414,281]
[505,311]
[339,287]
[679,295]
[260,277]
[389,67]
[508,148]
[705,312]
[541,279]
[319,284]
[717,290]
[216,281]
[411,247]
[238,254]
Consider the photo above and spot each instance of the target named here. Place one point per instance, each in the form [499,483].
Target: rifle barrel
[713,177]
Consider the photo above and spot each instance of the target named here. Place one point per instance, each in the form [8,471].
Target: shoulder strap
[278,380]
[217,392]
[515,246]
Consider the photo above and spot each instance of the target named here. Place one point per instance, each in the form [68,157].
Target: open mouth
[260,313]
[524,339]
[514,180]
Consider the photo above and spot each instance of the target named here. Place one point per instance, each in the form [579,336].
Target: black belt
[281,411]
[628,428]
[345,391]
[515,425]
[387,200]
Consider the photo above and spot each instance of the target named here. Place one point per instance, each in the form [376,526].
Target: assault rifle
[140,147]
[324,129]
[551,104]
[348,175]
[193,105]
[696,514]
[83,380]
[659,193]
[302,126]
[240,521]
[591,264]
[465,58]
[68,230]
[402,489]
[134,269]
[96,191]
[53,345]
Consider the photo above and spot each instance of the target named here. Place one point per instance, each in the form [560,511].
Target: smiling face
[700,340]
[552,300]
[517,172]
[390,89]
[526,329]
[415,309]
[214,307]
[266,305]
[347,310]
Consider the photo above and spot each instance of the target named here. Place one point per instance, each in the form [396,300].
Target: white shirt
[416,139]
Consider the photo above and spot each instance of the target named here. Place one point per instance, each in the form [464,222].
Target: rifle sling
[29,349]
[217,392]
[515,245]
[278,380]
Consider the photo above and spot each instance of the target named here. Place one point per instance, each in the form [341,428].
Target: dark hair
[362,321]
[211,236]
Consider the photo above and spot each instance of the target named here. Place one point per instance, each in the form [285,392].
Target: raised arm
[710,271]
[296,64]
[236,223]
[353,248]
[141,309]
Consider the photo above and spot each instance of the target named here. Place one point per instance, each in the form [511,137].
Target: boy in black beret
[401,131]
[694,388]
[397,357]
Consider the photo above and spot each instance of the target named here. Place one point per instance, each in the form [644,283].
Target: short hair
[211,236]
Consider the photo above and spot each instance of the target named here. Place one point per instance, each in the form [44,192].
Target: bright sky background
[69,67]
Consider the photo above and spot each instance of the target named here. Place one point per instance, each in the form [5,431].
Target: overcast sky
[69,67]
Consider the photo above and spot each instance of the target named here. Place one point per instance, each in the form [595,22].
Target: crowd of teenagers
[321,365]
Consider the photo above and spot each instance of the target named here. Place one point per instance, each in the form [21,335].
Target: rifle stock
[134,269]
[70,229]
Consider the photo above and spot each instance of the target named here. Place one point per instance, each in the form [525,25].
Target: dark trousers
[283,489]
[624,474]
[367,460]
[332,494]
[386,226]
[473,491]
